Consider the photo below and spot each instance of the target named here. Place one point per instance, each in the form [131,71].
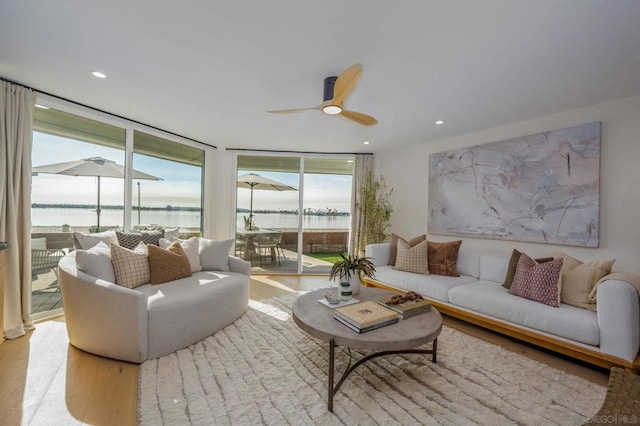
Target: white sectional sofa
[150,321]
[610,336]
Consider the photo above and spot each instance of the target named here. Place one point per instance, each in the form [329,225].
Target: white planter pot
[355,284]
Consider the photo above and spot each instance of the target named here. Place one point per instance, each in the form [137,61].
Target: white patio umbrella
[94,166]
[255,181]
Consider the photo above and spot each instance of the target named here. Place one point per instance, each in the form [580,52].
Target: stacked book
[407,307]
[365,316]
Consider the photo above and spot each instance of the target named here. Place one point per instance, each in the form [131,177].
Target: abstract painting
[540,188]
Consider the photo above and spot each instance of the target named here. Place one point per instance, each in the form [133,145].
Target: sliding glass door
[308,217]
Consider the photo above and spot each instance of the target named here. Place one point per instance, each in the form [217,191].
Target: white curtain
[363,168]
[16,123]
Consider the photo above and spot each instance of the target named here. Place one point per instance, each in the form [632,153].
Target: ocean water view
[54,218]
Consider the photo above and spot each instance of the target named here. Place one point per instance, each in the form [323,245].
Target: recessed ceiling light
[366,142]
[440,122]
[98,74]
[41,106]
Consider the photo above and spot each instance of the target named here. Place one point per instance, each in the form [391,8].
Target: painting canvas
[538,188]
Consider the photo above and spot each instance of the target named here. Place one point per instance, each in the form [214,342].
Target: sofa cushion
[491,299]
[432,286]
[210,301]
[393,248]
[443,258]
[493,267]
[579,278]
[412,259]
[130,267]
[468,262]
[191,249]
[168,264]
[131,240]
[96,262]
[214,254]
[513,264]
[86,241]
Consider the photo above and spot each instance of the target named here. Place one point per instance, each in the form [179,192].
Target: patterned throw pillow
[443,258]
[579,278]
[168,264]
[537,281]
[412,259]
[130,267]
[190,247]
[513,264]
[393,250]
[131,240]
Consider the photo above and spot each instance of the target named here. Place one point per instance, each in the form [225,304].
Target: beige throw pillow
[578,279]
[168,264]
[412,259]
[130,266]
[393,250]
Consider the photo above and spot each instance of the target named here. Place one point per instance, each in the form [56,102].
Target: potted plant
[247,223]
[350,268]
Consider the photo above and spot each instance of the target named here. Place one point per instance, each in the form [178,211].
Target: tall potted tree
[374,207]
[350,269]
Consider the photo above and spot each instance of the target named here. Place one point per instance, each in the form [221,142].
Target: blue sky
[180,185]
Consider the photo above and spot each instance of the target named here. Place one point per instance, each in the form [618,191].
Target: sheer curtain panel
[16,123]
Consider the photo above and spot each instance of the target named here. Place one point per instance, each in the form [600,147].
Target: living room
[208,75]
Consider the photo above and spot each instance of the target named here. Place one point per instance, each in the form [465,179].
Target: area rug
[263,369]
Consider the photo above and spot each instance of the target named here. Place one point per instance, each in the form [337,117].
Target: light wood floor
[45,380]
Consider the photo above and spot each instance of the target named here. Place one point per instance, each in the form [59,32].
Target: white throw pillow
[96,262]
[191,249]
[214,254]
[172,234]
[87,241]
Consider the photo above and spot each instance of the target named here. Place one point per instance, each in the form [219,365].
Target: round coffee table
[402,337]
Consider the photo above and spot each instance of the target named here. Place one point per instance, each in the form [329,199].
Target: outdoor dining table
[248,236]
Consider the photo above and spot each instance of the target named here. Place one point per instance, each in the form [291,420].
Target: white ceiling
[210,70]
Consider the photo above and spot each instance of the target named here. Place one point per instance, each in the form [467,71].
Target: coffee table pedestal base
[332,347]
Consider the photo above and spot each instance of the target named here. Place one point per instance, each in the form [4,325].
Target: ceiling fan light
[332,109]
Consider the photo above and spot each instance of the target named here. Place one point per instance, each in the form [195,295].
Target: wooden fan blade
[358,117]
[291,111]
[346,82]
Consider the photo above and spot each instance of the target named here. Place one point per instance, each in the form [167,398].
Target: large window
[81,183]
[174,198]
[302,224]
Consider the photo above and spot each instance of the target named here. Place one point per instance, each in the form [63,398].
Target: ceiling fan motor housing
[329,83]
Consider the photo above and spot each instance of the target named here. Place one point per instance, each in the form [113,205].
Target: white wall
[406,171]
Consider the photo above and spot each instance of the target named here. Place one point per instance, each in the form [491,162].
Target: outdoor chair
[269,245]
[44,260]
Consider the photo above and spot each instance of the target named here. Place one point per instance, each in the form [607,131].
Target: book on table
[371,327]
[365,316]
[406,309]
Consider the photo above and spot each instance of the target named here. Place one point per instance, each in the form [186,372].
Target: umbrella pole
[98,209]
[251,210]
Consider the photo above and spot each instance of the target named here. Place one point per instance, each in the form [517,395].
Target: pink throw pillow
[537,281]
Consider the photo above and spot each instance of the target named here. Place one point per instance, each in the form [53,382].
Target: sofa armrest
[102,317]
[239,265]
[379,253]
[619,319]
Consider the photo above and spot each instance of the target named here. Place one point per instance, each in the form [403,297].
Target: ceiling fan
[336,90]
